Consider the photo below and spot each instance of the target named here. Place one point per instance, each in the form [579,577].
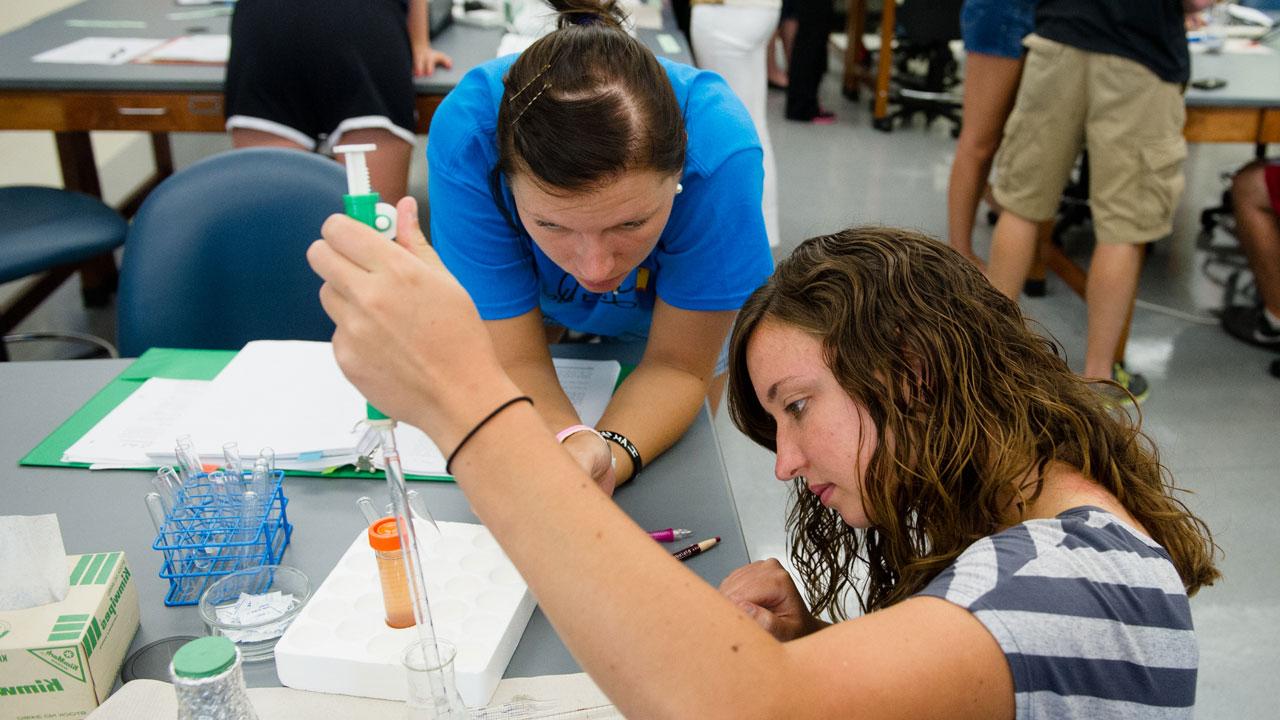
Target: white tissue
[33,561]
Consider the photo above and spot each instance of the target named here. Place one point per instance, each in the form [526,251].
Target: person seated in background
[309,77]
[1018,554]
[1255,198]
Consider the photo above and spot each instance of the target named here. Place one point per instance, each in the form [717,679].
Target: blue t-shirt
[711,255]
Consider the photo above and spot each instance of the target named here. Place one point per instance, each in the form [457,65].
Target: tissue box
[60,660]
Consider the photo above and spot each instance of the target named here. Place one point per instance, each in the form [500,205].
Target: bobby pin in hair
[541,72]
[532,100]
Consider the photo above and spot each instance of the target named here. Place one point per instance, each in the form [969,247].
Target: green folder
[163,363]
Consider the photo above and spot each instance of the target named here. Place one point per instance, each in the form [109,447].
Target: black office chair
[926,71]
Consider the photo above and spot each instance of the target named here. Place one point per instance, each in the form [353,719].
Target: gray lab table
[104,510]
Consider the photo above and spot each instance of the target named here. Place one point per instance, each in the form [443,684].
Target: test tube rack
[340,642]
[207,535]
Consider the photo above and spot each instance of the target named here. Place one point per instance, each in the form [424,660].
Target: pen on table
[696,549]
[670,534]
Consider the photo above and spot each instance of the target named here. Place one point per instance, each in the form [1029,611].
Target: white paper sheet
[99,51]
[191,49]
[289,396]
[286,395]
[122,437]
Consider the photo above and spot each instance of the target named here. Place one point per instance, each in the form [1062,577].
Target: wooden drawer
[1270,126]
[1205,124]
[155,112]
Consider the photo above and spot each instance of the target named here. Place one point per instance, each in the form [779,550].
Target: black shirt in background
[1151,32]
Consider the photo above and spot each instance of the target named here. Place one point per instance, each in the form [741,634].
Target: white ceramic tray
[340,643]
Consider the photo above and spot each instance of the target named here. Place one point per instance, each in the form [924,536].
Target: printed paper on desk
[98,51]
[288,395]
[191,49]
[121,438]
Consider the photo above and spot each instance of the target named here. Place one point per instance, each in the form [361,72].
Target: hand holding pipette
[362,204]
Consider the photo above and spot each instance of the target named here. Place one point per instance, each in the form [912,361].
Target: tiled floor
[1213,409]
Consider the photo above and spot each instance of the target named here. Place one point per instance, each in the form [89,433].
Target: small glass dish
[253,607]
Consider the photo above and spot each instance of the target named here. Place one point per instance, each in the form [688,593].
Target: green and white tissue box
[59,661]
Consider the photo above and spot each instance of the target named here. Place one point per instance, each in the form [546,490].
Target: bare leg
[388,165]
[777,76]
[787,30]
[1259,232]
[244,137]
[1013,248]
[1110,289]
[990,86]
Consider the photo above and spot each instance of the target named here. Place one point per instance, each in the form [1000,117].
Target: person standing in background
[784,35]
[1106,76]
[310,77]
[993,31]
[731,37]
[808,62]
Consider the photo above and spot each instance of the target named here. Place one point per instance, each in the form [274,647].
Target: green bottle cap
[373,413]
[204,657]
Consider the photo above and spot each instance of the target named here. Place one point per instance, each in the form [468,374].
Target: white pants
[731,40]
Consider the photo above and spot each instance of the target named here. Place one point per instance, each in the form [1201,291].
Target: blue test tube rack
[208,535]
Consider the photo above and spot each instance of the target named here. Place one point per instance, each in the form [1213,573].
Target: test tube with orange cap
[385,541]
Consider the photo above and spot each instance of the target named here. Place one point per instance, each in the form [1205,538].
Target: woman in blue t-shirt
[588,185]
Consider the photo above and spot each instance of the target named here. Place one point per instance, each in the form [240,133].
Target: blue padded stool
[51,231]
[216,256]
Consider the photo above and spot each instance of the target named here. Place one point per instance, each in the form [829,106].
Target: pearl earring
[679,188]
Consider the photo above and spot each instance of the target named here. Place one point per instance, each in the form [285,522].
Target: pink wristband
[573,429]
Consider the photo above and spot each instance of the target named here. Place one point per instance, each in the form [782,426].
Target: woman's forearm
[652,408]
[699,657]
[419,31]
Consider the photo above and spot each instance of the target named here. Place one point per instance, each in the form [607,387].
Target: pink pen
[670,534]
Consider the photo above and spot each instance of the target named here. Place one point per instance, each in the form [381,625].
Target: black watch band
[622,442]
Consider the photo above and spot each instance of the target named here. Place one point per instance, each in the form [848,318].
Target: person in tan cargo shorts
[1106,76]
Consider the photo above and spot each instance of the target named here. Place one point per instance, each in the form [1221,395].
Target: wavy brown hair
[968,402]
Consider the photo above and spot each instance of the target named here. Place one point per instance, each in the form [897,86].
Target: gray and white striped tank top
[1090,613]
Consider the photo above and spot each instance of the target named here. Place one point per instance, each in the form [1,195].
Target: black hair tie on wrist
[622,442]
[448,465]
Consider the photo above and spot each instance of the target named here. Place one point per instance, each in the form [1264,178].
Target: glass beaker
[433,693]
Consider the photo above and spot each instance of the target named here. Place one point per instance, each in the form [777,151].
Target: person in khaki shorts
[1106,76]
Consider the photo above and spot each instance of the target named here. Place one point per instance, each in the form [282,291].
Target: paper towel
[33,562]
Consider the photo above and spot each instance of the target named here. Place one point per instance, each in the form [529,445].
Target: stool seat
[42,228]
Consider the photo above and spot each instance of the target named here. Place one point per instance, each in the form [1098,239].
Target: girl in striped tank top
[1016,549]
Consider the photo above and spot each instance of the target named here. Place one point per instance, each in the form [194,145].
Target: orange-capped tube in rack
[385,541]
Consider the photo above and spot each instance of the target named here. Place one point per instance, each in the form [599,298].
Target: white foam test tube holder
[361,202]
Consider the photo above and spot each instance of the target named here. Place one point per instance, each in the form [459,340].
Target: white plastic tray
[340,643]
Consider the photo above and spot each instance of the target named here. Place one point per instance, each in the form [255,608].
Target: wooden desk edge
[74,111]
